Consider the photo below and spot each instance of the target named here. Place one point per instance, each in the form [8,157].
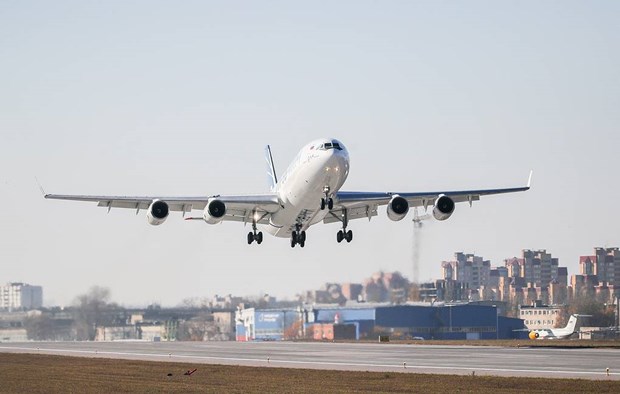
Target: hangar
[443,321]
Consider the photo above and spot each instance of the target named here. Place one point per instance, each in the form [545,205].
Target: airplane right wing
[239,208]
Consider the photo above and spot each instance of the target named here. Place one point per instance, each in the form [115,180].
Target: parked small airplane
[556,333]
[307,193]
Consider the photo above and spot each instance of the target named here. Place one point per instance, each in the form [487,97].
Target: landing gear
[329,202]
[255,235]
[258,237]
[344,235]
[298,237]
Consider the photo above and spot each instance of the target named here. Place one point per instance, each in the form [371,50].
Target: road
[482,360]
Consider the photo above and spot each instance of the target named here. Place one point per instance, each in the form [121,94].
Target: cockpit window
[330,145]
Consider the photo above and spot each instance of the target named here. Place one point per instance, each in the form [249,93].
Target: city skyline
[158,98]
[584,260]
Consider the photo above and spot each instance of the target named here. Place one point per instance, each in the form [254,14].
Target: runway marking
[332,363]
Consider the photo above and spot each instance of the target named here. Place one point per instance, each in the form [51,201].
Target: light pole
[616,305]
[496,323]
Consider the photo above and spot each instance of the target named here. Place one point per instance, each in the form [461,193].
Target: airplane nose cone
[336,161]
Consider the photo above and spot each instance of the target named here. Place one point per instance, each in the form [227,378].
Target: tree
[587,305]
[93,310]
[40,328]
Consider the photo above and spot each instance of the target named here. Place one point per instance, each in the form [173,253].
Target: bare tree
[93,310]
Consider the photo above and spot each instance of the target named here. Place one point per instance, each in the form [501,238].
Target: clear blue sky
[179,98]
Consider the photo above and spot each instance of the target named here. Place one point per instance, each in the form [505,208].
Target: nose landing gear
[298,237]
[327,200]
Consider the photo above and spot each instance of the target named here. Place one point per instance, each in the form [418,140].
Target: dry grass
[30,373]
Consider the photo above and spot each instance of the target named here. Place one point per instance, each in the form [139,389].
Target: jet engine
[533,335]
[158,212]
[214,211]
[397,208]
[444,207]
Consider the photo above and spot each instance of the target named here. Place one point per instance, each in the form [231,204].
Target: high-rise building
[536,267]
[473,271]
[607,265]
[352,291]
[20,296]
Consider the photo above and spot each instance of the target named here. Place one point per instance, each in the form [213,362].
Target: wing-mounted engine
[397,208]
[214,211]
[444,207]
[158,212]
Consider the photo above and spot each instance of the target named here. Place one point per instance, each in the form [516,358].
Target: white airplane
[556,333]
[308,193]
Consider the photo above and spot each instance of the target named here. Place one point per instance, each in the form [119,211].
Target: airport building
[421,320]
[539,316]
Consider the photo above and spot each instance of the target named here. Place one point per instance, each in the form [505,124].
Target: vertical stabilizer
[272,178]
[572,322]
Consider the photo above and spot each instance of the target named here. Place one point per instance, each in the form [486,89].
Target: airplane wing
[364,204]
[238,208]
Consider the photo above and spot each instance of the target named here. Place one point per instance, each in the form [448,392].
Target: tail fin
[572,322]
[272,178]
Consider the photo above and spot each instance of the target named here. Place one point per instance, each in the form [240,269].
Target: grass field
[33,373]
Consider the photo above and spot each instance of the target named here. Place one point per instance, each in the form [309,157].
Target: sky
[180,98]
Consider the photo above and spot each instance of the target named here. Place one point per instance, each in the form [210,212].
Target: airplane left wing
[238,208]
[364,204]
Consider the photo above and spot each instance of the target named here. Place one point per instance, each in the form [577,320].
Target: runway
[480,360]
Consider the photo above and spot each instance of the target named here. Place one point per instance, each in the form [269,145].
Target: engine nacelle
[158,212]
[397,208]
[214,211]
[444,207]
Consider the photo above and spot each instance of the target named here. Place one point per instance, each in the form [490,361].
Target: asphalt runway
[481,360]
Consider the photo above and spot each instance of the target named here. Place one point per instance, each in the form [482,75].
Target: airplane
[556,333]
[308,193]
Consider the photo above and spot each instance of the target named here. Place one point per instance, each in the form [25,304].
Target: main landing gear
[344,235]
[258,237]
[255,236]
[298,237]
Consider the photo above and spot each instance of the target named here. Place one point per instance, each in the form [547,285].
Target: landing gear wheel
[349,236]
[322,204]
[293,239]
[330,204]
[250,238]
[259,238]
[339,236]
[302,237]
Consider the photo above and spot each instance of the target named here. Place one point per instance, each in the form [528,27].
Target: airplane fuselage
[316,172]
